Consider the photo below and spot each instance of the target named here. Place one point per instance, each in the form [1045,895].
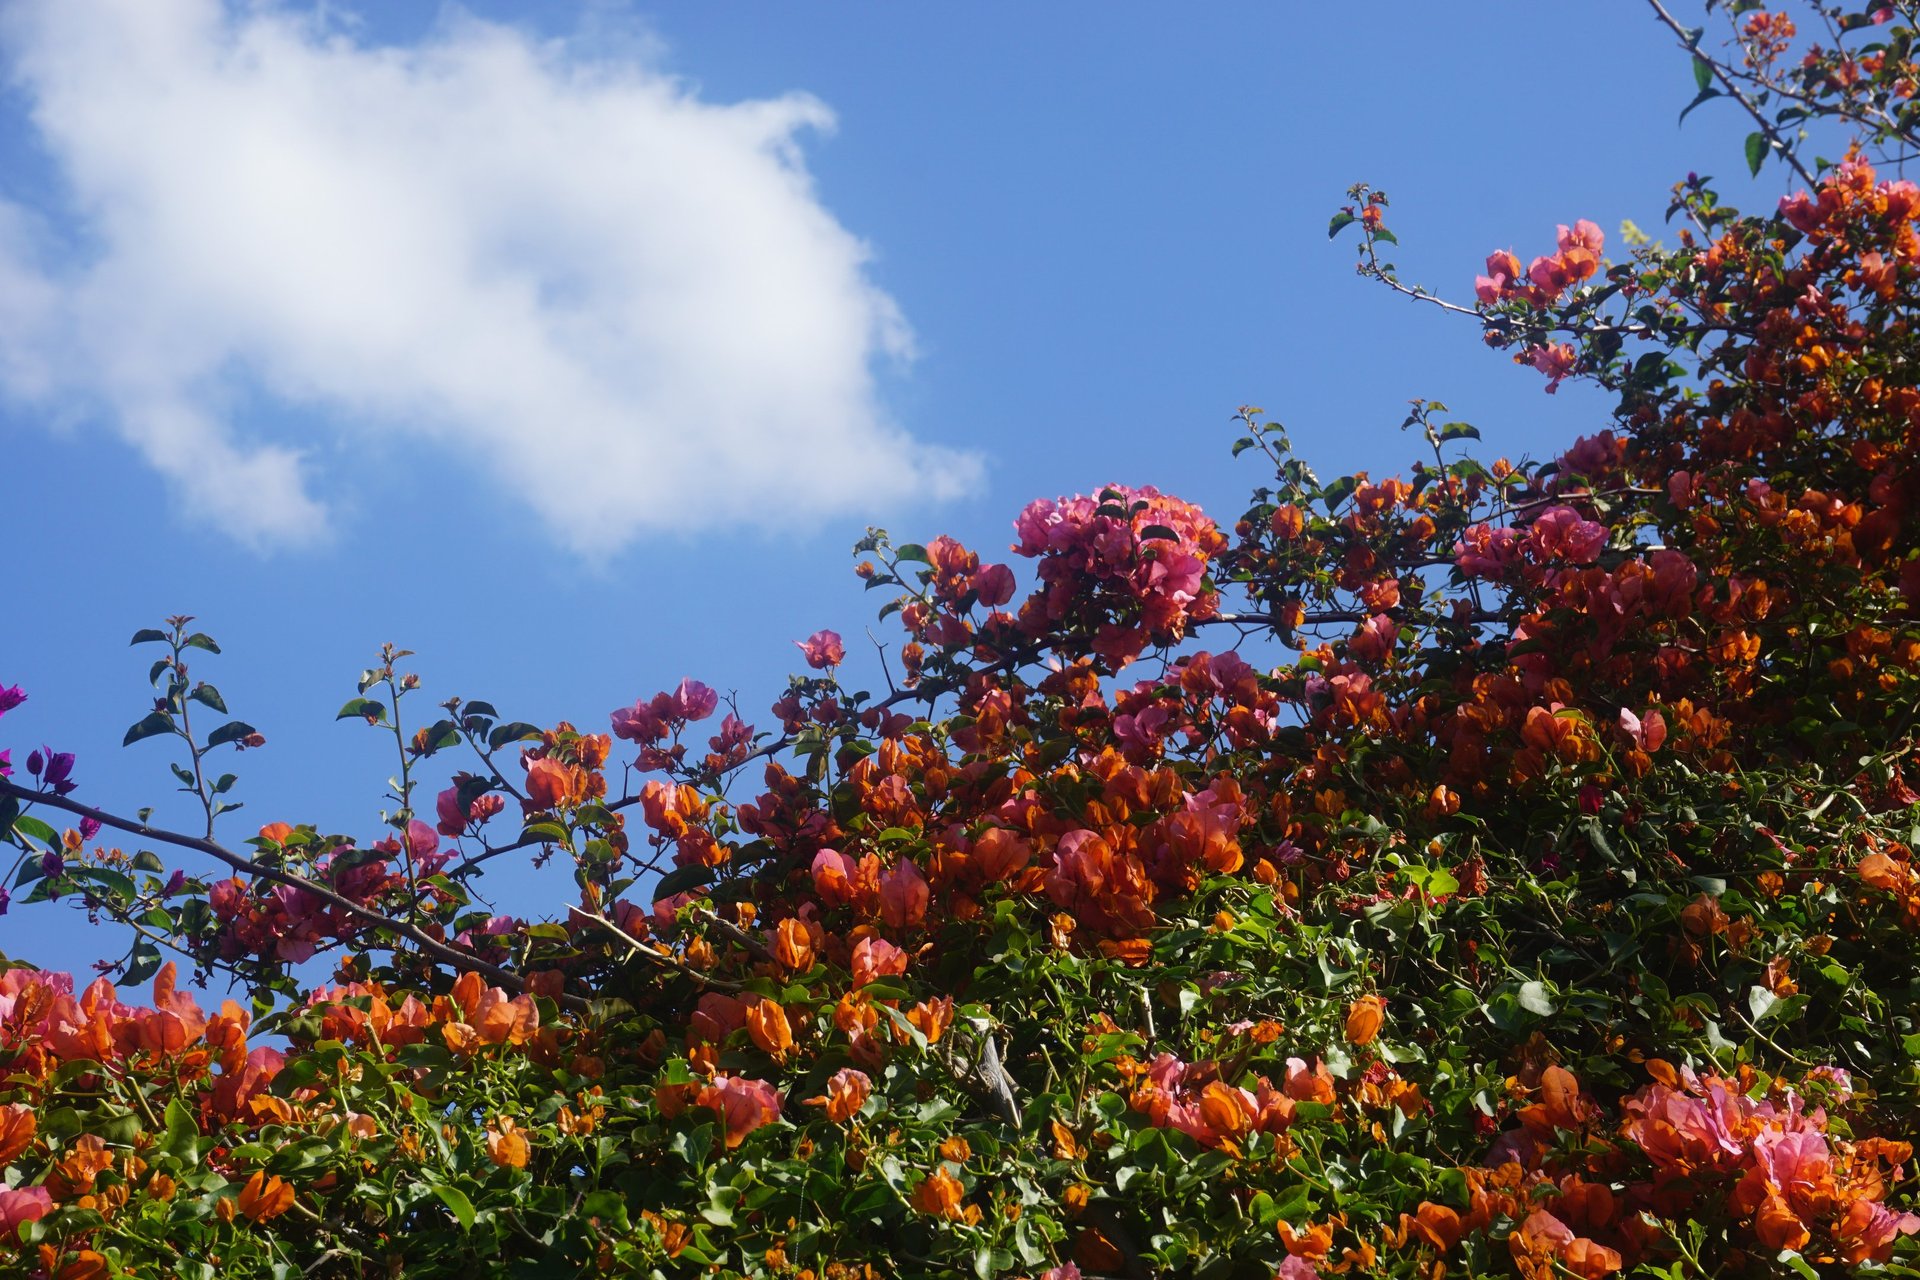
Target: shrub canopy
[1496,868]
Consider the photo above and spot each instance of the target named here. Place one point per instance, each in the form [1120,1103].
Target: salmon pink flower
[1555,359]
[903,895]
[993,584]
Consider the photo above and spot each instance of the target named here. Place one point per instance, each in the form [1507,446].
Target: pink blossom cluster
[1136,546]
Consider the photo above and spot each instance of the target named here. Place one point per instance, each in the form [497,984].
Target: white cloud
[626,304]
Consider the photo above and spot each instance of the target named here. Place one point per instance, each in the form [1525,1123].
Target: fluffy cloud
[626,304]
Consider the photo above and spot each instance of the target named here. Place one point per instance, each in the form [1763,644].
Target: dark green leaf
[231,731]
[518,731]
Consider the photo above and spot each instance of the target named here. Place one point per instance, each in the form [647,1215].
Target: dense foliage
[1501,868]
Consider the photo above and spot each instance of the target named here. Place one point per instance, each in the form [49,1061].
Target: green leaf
[1756,151]
[1340,220]
[1702,72]
[362,709]
[1385,236]
[157,723]
[182,1132]
[456,1202]
[34,829]
[147,635]
[911,551]
[201,640]
[1459,431]
[207,695]
[144,963]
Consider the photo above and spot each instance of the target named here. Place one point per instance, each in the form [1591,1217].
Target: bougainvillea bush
[1497,868]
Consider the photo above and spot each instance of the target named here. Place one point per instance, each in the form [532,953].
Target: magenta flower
[10,697]
[53,768]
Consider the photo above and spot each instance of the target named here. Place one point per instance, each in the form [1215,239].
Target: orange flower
[85,1265]
[507,1146]
[1588,1260]
[264,1198]
[551,784]
[939,1194]
[1437,1224]
[847,1092]
[1778,1227]
[1364,1018]
[792,946]
[932,1018]
[17,1127]
[767,1024]
[1224,1110]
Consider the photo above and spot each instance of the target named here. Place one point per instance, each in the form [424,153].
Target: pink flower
[1296,1268]
[28,1204]
[1065,1271]
[823,649]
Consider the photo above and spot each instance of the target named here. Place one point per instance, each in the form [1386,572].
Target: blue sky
[572,346]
